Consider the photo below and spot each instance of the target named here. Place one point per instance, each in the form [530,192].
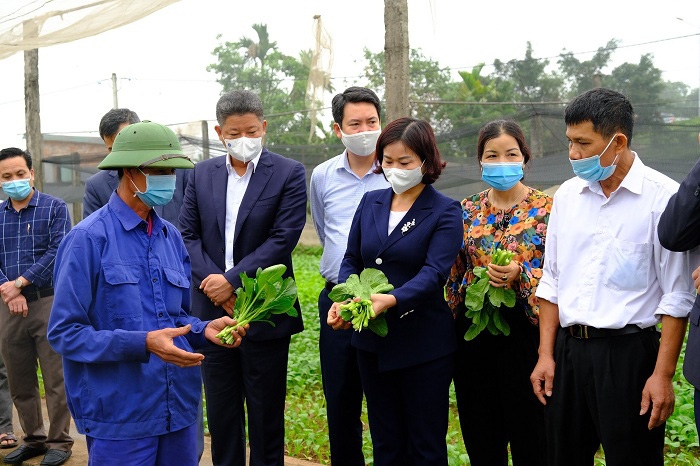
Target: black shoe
[23,452]
[55,457]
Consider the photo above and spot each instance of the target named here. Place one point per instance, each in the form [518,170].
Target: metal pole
[115,103]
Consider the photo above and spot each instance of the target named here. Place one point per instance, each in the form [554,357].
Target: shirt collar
[344,164]
[632,181]
[128,218]
[7,203]
[253,163]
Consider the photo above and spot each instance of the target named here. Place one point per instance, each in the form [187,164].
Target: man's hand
[658,392]
[160,343]
[217,325]
[228,305]
[9,291]
[542,378]
[217,288]
[18,306]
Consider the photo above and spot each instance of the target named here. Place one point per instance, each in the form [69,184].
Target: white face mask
[362,144]
[403,180]
[243,148]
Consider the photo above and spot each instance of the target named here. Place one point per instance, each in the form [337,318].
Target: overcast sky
[161,60]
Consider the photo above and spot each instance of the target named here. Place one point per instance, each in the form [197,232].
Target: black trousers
[254,373]
[596,399]
[495,400]
[408,410]
[342,389]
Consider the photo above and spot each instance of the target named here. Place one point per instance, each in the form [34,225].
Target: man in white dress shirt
[604,371]
[337,186]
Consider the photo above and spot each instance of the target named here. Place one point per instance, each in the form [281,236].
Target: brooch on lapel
[407,226]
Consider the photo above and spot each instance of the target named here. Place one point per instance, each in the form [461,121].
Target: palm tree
[257,51]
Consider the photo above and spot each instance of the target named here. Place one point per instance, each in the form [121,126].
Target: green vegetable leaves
[358,290]
[260,297]
[483,301]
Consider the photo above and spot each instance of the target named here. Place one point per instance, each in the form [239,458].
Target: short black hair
[418,136]
[609,111]
[15,152]
[353,94]
[112,120]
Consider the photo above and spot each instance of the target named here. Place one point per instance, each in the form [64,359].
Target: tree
[581,76]
[427,81]
[530,80]
[278,79]
[397,64]
[642,85]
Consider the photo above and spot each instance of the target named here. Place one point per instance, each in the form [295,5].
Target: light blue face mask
[502,175]
[590,169]
[17,189]
[159,189]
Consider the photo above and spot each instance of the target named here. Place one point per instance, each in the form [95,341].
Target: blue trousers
[178,447]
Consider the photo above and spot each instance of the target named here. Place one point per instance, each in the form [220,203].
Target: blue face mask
[502,175]
[159,189]
[17,189]
[590,169]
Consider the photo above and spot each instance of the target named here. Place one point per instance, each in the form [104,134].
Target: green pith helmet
[146,144]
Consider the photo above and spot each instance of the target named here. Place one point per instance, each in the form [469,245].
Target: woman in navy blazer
[412,233]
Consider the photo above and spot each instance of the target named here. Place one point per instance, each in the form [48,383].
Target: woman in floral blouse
[492,373]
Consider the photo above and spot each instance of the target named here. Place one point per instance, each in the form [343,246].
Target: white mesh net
[32,24]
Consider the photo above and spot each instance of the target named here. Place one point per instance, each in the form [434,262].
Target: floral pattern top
[521,229]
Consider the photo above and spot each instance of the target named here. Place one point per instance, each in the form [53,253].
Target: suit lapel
[219,183]
[380,211]
[262,174]
[419,211]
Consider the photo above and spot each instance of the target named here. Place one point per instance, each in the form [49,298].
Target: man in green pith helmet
[121,314]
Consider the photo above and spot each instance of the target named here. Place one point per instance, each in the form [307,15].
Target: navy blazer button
[378,261]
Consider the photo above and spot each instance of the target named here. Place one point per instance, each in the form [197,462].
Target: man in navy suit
[100,186]
[242,211]
[678,231]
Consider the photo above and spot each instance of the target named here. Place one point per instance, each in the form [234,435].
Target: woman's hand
[381,302]
[503,276]
[334,319]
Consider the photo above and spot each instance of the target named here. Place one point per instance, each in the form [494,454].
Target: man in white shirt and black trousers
[604,371]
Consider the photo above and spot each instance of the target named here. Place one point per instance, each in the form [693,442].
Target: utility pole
[396,59]
[115,102]
[31,105]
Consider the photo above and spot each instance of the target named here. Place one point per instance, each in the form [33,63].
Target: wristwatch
[19,283]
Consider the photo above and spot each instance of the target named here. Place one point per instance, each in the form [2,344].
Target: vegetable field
[306,435]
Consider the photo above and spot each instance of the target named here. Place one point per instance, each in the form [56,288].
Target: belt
[329,285]
[584,331]
[37,294]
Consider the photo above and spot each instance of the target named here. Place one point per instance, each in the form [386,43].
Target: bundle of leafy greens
[260,297]
[483,301]
[358,289]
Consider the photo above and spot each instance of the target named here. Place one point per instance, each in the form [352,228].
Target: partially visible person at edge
[337,185]
[679,230]
[604,371]
[242,211]
[121,316]
[492,372]
[100,186]
[32,225]
[412,233]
